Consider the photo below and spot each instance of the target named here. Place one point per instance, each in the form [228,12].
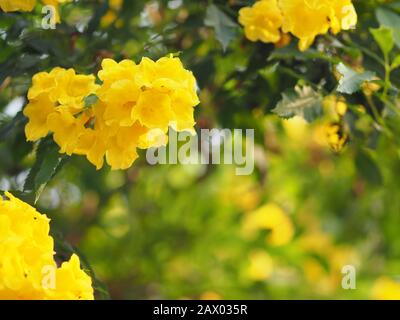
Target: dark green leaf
[48,162]
[224,26]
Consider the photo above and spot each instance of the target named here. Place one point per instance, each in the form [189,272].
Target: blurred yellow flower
[316,241]
[335,107]
[27,266]
[325,260]
[305,19]
[17,5]
[260,266]
[335,136]
[272,218]
[210,295]
[241,191]
[296,128]
[385,288]
[112,13]
[28,5]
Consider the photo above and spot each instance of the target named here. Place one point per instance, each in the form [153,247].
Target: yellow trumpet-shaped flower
[266,20]
[262,21]
[135,106]
[27,266]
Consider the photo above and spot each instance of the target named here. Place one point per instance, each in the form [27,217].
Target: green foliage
[48,162]
[389,19]
[302,101]
[176,231]
[351,80]
[225,28]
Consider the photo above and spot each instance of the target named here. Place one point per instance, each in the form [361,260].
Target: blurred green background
[200,231]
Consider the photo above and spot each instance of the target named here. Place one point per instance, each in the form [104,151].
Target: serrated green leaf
[302,101]
[224,26]
[384,37]
[351,80]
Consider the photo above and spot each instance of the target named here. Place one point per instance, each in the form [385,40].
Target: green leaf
[391,20]
[268,70]
[396,63]
[351,80]
[384,37]
[24,196]
[367,168]
[48,162]
[302,101]
[224,26]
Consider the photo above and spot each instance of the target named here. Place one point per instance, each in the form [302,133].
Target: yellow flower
[136,105]
[262,21]
[260,267]
[122,148]
[305,19]
[270,217]
[67,129]
[111,15]
[51,92]
[166,79]
[334,107]
[118,90]
[336,137]
[26,258]
[17,5]
[37,112]
[343,15]
[386,289]
[28,5]
[72,283]
[153,109]
[210,295]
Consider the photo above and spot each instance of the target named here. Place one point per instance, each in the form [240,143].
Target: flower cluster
[269,20]
[27,266]
[136,104]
